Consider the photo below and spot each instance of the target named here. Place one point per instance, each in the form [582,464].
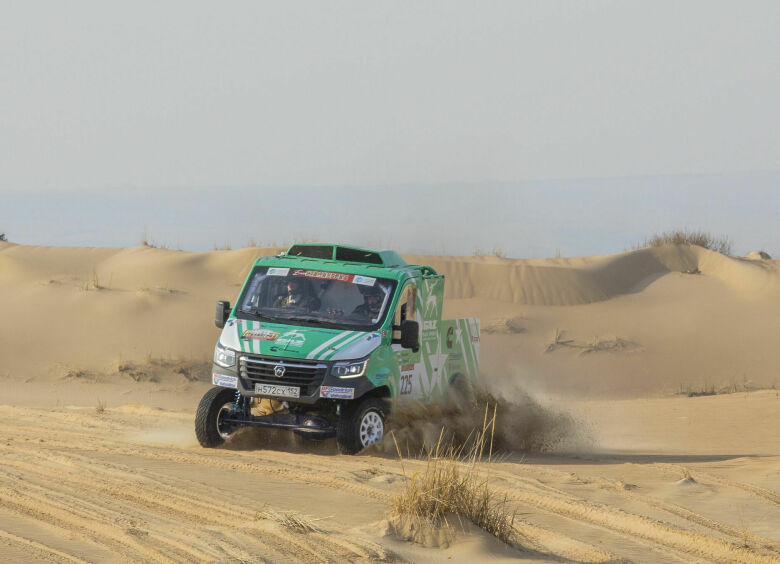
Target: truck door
[430,299]
[409,384]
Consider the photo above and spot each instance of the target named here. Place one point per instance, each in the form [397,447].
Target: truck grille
[261,370]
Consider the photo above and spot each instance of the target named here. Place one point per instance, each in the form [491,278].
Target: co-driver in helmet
[372,302]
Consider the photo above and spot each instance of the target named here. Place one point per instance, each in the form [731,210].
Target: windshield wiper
[329,323]
[258,314]
[306,319]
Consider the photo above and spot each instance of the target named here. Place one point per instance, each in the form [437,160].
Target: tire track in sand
[739,535]
[170,506]
[39,550]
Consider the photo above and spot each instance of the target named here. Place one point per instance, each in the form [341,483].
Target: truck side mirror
[410,335]
[222,313]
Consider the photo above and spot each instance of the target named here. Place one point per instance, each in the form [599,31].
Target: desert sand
[643,421]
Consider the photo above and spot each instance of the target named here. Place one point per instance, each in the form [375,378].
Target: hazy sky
[115,95]
[142,107]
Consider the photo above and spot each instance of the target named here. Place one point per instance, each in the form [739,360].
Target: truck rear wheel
[210,427]
[361,425]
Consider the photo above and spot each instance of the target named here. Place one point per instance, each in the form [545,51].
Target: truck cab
[324,340]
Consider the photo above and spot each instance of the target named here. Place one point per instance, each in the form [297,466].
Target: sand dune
[561,282]
[104,353]
[695,317]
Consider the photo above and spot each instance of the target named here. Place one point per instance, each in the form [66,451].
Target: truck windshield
[316,297]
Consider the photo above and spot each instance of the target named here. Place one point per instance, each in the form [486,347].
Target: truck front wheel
[361,425]
[210,427]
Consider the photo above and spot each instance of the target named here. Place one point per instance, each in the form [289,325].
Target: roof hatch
[346,254]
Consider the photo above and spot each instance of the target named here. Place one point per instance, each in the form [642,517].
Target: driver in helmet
[372,302]
[296,296]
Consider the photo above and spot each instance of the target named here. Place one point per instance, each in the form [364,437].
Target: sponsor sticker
[335,392]
[262,334]
[364,280]
[293,339]
[276,271]
[475,339]
[225,381]
[323,275]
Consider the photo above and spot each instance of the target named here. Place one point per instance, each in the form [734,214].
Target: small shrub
[3,237]
[146,241]
[720,244]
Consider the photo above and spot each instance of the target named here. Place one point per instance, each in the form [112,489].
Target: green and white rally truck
[333,336]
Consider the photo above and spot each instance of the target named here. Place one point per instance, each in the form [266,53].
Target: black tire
[361,425]
[208,428]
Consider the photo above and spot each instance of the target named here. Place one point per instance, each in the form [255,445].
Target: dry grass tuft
[496,252]
[100,408]
[596,344]
[616,344]
[147,242]
[291,520]
[720,244]
[453,484]
[166,289]
[505,325]
[71,373]
[558,341]
[93,283]
[710,389]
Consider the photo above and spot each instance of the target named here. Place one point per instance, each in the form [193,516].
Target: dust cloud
[522,424]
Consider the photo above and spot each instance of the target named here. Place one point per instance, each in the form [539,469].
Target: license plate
[281,391]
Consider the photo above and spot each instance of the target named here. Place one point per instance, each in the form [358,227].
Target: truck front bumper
[323,387]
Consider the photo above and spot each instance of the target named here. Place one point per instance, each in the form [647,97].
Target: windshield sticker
[336,392]
[323,275]
[262,334]
[364,280]
[278,271]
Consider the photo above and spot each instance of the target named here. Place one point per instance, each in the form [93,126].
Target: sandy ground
[104,354]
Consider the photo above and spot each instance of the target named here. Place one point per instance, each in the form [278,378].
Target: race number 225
[406,384]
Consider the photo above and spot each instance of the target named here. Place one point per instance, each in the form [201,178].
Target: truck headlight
[346,370]
[224,356]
